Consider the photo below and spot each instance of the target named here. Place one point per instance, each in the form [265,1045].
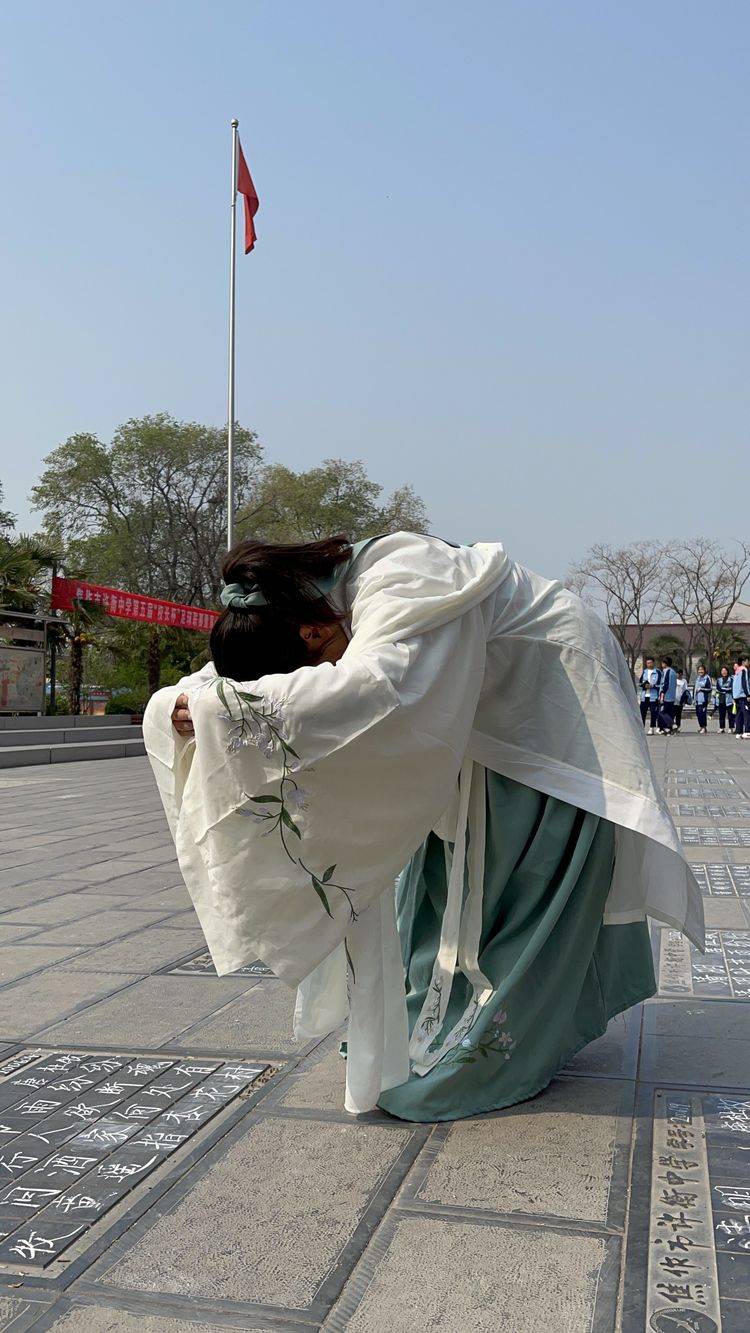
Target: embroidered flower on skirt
[497,1041]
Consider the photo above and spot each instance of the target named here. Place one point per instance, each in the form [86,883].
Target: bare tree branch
[625,583]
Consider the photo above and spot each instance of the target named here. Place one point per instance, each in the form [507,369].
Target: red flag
[245,187]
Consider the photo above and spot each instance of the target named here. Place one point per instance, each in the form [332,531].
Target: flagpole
[230,386]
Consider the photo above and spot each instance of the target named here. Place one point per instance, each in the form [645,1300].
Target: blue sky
[503,248]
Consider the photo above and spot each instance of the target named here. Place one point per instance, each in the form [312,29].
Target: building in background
[686,642]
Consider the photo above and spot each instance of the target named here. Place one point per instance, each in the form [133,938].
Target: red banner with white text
[130,605]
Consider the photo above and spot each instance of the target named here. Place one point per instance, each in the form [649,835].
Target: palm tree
[23,566]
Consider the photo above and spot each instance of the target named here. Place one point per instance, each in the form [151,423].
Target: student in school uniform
[745,677]
[650,682]
[683,697]
[724,691]
[739,697]
[667,697]
[703,688]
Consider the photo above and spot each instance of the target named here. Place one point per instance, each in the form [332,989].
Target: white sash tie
[461,931]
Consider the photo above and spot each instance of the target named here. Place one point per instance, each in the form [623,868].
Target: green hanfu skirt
[558,974]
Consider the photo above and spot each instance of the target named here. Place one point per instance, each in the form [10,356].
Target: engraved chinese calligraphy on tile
[721,972]
[202,965]
[682,1278]
[90,1128]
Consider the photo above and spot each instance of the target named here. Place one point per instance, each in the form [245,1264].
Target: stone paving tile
[704,1061]
[458,1276]
[58,911]
[176,899]
[107,1319]
[616,1053]
[723,913]
[154,1011]
[155,838]
[158,839]
[35,892]
[552,1156]
[39,838]
[10,1312]
[107,870]
[15,857]
[144,881]
[696,854]
[18,960]
[9,934]
[45,869]
[318,1086]
[727,1020]
[100,927]
[283,1242]
[142,862]
[260,1021]
[180,920]
[36,1001]
[144,952]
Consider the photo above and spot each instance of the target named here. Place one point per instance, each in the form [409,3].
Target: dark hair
[248,643]
[667,660]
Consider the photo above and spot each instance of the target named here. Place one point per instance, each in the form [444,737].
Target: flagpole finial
[235,123]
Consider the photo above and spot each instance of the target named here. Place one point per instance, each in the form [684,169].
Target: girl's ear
[310,634]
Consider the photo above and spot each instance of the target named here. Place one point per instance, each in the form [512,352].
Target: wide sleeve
[171,754]
[307,793]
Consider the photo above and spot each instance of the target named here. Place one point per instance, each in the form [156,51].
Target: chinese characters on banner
[130,605]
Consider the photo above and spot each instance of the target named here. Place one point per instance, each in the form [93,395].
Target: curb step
[18,756]
[67,735]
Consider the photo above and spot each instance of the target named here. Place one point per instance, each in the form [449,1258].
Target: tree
[335,497]
[24,565]
[678,601]
[120,659]
[19,574]
[625,581]
[729,644]
[703,585]
[7,520]
[148,511]
[667,645]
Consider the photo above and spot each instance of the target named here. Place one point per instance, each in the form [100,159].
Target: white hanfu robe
[303,795]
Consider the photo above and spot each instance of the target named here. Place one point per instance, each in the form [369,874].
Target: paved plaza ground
[171,1162]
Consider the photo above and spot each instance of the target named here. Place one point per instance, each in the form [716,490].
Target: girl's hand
[181,719]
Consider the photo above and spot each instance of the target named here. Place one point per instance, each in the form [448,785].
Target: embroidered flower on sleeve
[253,722]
